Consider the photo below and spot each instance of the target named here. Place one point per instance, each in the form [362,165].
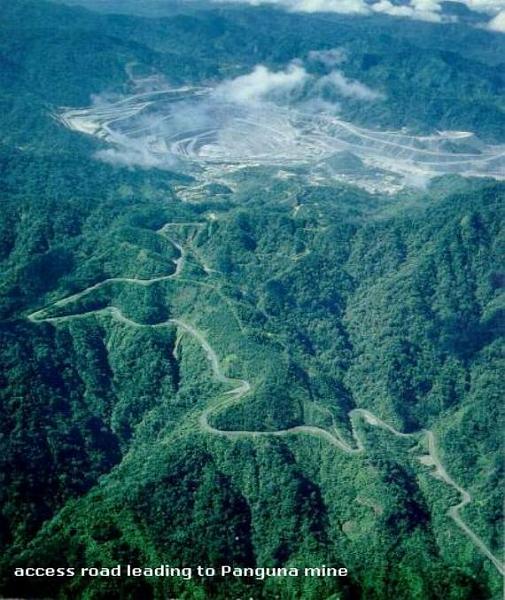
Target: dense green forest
[120,442]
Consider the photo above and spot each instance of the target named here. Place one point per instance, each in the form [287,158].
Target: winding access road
[241,388]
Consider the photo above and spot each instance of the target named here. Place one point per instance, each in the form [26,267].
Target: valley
[241,388]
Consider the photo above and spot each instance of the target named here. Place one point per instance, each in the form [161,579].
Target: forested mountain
[267,367]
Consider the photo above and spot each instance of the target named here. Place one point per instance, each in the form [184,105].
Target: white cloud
[347,87]
[423,10]
[335,6]
[329,58]
[428,5]
[348,7]
[263,84]
[135,154]
[487,6]
[498,23]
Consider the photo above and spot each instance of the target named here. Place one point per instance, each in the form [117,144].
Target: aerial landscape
[252,305]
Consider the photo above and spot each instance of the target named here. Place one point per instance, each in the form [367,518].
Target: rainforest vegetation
[323,298]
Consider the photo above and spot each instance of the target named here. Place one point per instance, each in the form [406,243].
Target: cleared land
[196,131]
